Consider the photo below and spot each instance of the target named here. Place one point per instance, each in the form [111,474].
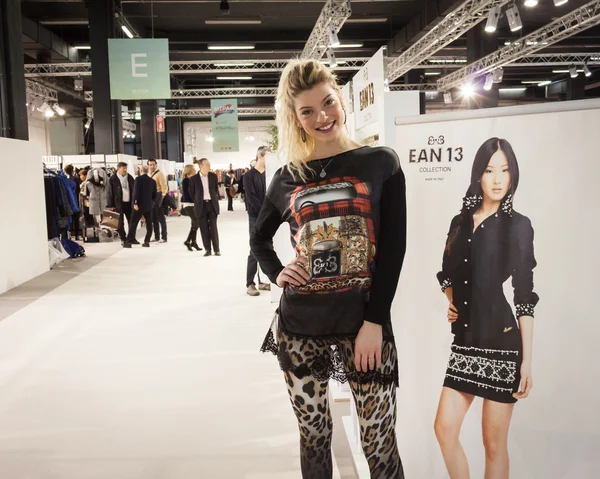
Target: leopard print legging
[375,403]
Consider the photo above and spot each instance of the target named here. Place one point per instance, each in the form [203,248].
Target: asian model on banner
[224,119]
[498,328]
[139,69]
[368,86]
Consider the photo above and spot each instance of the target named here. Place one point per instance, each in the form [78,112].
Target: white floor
[146,366]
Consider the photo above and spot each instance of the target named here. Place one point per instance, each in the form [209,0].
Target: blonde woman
[346,207]
[187,208]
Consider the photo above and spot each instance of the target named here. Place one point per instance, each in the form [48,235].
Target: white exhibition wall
[195,132]
[23,242]
[555,433]
[39,133]
[66,136]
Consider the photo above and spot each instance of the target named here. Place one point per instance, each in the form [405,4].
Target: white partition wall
[23,242]
[555,433]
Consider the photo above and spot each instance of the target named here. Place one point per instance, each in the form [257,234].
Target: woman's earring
[303,135]
[345,117]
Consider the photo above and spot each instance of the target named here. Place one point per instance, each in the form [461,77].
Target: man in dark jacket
[118,198]
[143,198]
[255,188]
[204,190]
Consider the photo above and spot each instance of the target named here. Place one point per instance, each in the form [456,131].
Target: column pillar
[150,138]
[174,132]
[480,44]
[108,127]
[13,111]
[414,77]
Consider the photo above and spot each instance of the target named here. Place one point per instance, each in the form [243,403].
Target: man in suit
[144,198]
[204,191]
[120,189]
[158,213]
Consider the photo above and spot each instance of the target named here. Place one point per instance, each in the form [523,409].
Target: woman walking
[491,355]
[187,208]
[346,208]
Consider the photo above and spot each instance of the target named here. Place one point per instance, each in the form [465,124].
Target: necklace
[323,173]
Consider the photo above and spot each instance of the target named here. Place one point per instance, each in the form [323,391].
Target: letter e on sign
[136,66]
[160,124]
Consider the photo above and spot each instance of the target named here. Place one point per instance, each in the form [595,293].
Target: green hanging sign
[139,69]
[224,119]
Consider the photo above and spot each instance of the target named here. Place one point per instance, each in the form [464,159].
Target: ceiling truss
[564,27]
[456,24]
[37,90]
[332,17]
[206,112]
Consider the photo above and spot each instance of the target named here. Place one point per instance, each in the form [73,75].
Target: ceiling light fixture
[88,124]
[233,21]
[558,3]
[331,58]
[586,70]
[489,82]
[565,71]
[515,89]
[231,47]
[468,90]
[545,83]
[493,17]
[56,107]
[334,41]
[448,98]
[514,18]
[224,7]
[573,71]
[82,47]
[498,75]
[531,3]
[367,20]
[127,31]
[432,73]
[234,78]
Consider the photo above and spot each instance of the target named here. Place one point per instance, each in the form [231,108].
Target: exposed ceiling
[278,30]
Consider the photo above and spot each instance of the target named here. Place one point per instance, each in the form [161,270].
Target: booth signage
[368,86]
[139,69]
[224,119]
[160,123]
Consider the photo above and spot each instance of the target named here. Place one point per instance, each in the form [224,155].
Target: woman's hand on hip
[526,381]
[452,313]
[367,347]
[294,273]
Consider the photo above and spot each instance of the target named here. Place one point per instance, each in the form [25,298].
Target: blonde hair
[298,76]
[188,170]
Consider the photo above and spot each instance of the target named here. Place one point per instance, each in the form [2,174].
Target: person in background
[84,201]
[158,213]
[255,188]
[69,172]
[229,182]
[187,207]
[120,189]
[204,191]
[144,199]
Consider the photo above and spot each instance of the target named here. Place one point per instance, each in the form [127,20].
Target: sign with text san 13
[139,69]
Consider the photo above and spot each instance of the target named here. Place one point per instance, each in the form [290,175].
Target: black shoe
[208,253]
[195,246]
[135,242]
[146,245]
[189,246]
[163,241]
[126,245]
[217,253]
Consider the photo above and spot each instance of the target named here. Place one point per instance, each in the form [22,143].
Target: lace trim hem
[323,370]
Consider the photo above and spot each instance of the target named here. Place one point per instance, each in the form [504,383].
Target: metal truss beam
[127,125]
[35,89]
[333,16]
[456,24]
[213,93]
[415,87]
[556,60]
[186,67]
[206,112]
[564,27]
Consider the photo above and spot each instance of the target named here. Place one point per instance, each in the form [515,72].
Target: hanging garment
[97,181]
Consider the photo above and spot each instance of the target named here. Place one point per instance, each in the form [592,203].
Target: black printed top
[349,221]
[479,263]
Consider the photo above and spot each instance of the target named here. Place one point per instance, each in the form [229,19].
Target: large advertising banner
[139,69]
[503,217]
[368,86]
[225,130]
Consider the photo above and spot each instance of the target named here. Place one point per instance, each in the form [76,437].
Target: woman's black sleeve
[444,276]
[522,275]
[261,240]
[391,249]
